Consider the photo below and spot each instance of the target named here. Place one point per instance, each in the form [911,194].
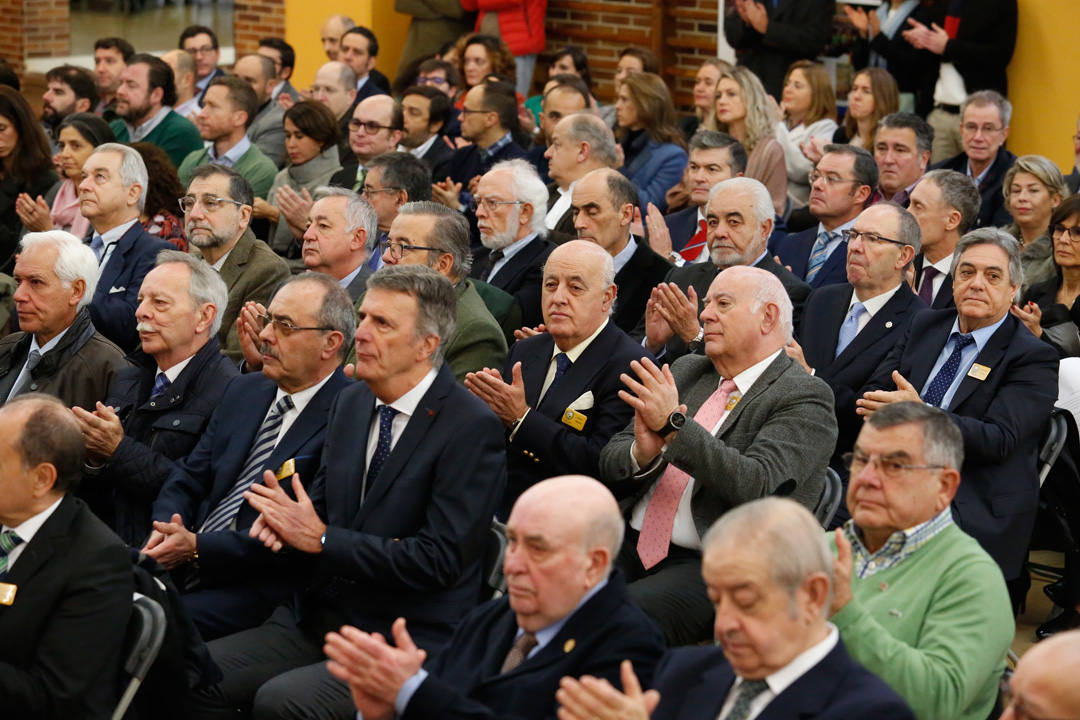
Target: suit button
[153,404]
[33,386]
[175,423]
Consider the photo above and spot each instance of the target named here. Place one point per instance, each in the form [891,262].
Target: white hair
[768,289]
[763,206]
[132,168]
[527,187]
[205,285]
[74,260]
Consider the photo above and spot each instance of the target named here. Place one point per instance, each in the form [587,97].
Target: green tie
[361,173]
[8,542]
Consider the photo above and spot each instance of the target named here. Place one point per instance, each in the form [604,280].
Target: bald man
[331,31]
[559,392]
[183,67]
[564,613]
[1044,683]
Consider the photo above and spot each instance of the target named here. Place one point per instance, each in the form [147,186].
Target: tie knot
[161,384]
[930,272]
[386,413]
[9,540]
[728,386]
[963,340]
[750,689]
[562,363]
[284,405]
[702,225]
[856,310]
[33,359]
[497,255]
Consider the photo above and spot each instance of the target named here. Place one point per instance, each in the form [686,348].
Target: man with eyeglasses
[1043,686]
[374,128]
[202,44]
[998,383]
[848,329]
[217,217]
[916,600]
[273,424]
[393,179]
[840,187]
[984,127]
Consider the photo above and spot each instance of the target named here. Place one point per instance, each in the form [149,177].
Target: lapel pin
[430,412]
[568,645]
[884,586]
[888,324]
[7,593]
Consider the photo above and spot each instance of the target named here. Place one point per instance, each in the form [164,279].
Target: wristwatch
[675,422]
[694,344]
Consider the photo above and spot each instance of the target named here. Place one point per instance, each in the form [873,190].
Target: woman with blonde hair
[704,94]
[1033,188]
[653,147]
[807,110]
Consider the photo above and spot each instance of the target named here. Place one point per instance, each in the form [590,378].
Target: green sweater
[175,134]
[258,169]
[936,627]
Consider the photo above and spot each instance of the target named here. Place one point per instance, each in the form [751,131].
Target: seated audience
[840,187]
[558,395]
[567,612]
[704,94]
[67,580]
[1033,189]
[563,95]
[78,134]
[509,201]
[849,328]
[160,215]
[183,67]
[25,168]
[984,127]
[579,144]
[431,482]
[905,470]
[603,209]
[425,118]
[740,110]
[337,241]
[946,205]
[653,148]
[112,196]
[311,144]
[1047,306]
[266,130]
[284,58]
[777,656]
[807,111]
[270,423]
[427,233]
[1041,685]
[57,350]
[111,56]
[359,49]
[902,151]
[998,383]
[228,109]
[217,216]
[144,103]
[480,56]
[202,44]
[157,410]
[873,96]
[393,179]
[335,87]
[760,426]
[740,220]
[375,128]
[68,89]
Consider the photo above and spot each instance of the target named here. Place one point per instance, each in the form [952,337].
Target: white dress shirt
[560,207]
[27,530]
[419,150]
[623,256]
[109,238]
[944,267]
[300,401]
[510,251]
[406,408]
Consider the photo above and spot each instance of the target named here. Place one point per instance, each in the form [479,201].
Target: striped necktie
[9,540]
[818,254]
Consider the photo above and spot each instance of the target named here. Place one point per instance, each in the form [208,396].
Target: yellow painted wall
[304,18]
[1042,80]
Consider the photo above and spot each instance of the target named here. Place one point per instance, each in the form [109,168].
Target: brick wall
[255,19]
[33,28]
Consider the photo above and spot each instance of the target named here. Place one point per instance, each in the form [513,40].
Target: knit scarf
[952,18]
[65,211]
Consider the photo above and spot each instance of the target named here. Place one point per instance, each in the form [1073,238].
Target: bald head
[747,318]
[603,205]
[593,517]
[332,30]
[1044,682]
[578,291]
[257,71]
[183,67]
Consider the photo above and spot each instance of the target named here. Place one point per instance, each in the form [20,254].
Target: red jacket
[521,22]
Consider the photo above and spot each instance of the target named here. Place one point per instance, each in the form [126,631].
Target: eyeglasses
[1061,231]
[431,80]
[852,235]
[814,176]
[367,192]
[285,327]
[972,129]
[210,203]
[492,205]
[370,126]
[887,466]
[397,248]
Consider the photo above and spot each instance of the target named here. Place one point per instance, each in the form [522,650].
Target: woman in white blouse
[807,110]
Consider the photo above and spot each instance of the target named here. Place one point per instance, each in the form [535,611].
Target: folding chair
[146,630]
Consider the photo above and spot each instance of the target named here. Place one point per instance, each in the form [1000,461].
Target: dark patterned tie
[518,652]
[492,260]
[935,392]
[161,384]
[926,290]
[748,690]
[382,449]
[32,361]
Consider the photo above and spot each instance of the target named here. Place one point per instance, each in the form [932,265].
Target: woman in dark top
[161,214]
[1050,308]
[25,167]
[653,147]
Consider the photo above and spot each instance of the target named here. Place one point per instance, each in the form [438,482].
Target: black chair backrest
[146,630]
[830,498]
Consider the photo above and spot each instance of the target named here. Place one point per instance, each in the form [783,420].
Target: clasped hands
[283,521]
[669,312]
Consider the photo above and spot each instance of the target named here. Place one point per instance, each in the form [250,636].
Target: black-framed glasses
[814,176]
[431,80]
[1060,230]
[210,203]
[369,126]
[851,235]
[284,326]
[890,467]
[397,249]
[491,205]
[367,192]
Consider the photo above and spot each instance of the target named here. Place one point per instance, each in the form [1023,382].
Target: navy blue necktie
[562,364]
[935,393]
[161,384]
[382,449]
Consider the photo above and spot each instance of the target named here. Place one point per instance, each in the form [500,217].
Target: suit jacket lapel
[990,356]
[929,347]
[773,371]
[823,344]
[704,698]
[837,257]
[352,486]
[111,270]
[876,328]
[534,369]
[579,377]
[805,698]
[309,422]
[44,543]
[944,297]
[232,268]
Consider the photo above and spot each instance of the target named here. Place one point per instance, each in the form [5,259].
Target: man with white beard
[511,201]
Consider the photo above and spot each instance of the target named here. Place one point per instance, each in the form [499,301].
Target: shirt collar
[362,82]
[944,265]
[30,527]
[838,229]
[233,154]
[981,176]
[303,397]
[49,345]
[205,82]
[802,663]
[113,235]
[138,133]
[899,546]
[982,335]
[346,281]
[624,255]
[515,247]
[420,149]
[174,372]
[746,379]
[496,146]
[406,404]
[575,352]
[546,635]
[874,304]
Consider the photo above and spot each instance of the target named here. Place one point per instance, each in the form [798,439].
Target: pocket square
[585,401]
[116,290]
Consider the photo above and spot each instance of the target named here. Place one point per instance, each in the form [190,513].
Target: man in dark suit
[998,384]
[157,409]
[558,395]
[426,113]
[603,208]
[111,196]
[849,329]
[740,220]
[333,245]
[760,426]
[984,127]
[579,144]
[509,201]
[566,613]
[902,152]
[375,127]
[275,422]
[398,516]
[778,657]
[840,187]
[564,95]
[65,579]
[201,43]
[946,205]
[393,179]
[359,49]
[683,236]
[775,33]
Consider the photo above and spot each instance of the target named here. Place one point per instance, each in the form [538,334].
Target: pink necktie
[655,537]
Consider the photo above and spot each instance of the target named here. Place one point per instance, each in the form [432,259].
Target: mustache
[145,327]
[265,349]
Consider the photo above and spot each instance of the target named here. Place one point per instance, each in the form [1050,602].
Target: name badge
[287,469]
[979,372]
[7,593]
[574,419]
[733,401]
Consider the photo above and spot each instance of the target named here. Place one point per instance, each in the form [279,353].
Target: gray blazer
[783,429]
[267,131]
